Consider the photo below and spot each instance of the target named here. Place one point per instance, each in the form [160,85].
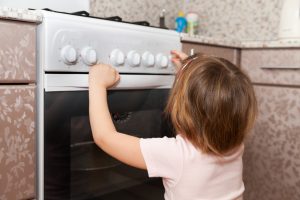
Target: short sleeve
[162,156]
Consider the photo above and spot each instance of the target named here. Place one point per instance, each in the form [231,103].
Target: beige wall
[232,19]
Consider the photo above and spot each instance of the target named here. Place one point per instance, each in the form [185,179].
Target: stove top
[113,18]
[72,42]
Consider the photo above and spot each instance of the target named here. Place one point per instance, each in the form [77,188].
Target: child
[212,107]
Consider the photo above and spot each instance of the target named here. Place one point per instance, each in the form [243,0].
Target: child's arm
[123,147]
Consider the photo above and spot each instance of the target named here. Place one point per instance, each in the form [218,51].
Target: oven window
[75,168]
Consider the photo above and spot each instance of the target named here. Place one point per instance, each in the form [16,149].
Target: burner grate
[113,18]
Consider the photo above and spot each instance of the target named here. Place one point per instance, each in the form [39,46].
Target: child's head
[212,104]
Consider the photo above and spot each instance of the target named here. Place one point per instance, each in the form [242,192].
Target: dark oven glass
[75,168]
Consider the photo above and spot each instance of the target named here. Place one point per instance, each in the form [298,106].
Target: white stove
[68,46]
[72,44]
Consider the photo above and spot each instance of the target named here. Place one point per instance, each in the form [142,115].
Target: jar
[192,23]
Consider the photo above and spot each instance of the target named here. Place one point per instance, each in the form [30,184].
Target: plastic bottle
[192,23]
[181,22]
[162,23]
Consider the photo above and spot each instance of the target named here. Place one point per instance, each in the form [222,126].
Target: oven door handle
[78,82]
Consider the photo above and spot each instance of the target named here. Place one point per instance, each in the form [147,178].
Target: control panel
[75,47]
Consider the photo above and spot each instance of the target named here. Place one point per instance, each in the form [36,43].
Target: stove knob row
[134,59]
[117,57]
[69,55]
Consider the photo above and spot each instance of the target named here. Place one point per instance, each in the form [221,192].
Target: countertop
[240,44]
[21,14]
[37,17]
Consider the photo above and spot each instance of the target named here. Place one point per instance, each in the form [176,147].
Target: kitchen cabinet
[272,66]
[17,109]
[230,53]
[17,55]
[17,142]
[272,150]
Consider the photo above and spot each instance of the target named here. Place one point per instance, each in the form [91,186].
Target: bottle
[192,23]
[162,23]
[181,23]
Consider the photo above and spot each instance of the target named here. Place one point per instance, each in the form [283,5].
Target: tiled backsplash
[230,19]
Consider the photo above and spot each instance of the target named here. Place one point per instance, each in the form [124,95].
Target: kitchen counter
[240,44]
[37,17]
[21,14]
[271,44]
[209,40]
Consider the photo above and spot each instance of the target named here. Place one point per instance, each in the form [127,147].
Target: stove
[70,165]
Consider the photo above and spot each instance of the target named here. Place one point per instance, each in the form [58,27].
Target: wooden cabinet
[17,110]
[230,53]
[272,151]
[17,52]
[17,142]
[272,66]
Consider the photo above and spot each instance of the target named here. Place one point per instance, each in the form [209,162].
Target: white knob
[148,59]
[68,54]
[117,57]
[89,55]
[133,58]
[162,61]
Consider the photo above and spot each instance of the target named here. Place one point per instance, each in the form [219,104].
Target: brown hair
[212,104]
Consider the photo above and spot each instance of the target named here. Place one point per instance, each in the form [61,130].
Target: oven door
[75,168]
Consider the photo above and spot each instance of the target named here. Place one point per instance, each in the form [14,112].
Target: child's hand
[177,58]
[103,75]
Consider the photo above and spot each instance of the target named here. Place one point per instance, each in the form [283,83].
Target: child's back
[191,175]
[212,106]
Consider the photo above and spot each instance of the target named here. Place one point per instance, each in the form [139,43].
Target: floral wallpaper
[17,142]
[17,55]
[230,19]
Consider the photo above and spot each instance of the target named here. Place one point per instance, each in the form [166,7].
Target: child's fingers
[179,54]
[117,76]
[177,63]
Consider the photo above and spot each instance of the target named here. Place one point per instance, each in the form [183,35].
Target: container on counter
[192,23]
[181,23]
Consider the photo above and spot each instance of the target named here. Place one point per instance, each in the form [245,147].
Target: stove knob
[117,57]
[162,61]
[148,59]
[133,58]
[89,55]
[68,55]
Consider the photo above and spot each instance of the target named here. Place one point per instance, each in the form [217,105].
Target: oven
[70,165]
[75,168]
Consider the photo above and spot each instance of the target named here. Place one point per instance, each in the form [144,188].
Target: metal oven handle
[77,82]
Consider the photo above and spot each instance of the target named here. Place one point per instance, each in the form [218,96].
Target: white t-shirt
[189,174]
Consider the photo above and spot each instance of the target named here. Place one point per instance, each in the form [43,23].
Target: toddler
[212,107]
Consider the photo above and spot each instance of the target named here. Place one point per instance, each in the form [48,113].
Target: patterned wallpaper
[137,10]
[230,19]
